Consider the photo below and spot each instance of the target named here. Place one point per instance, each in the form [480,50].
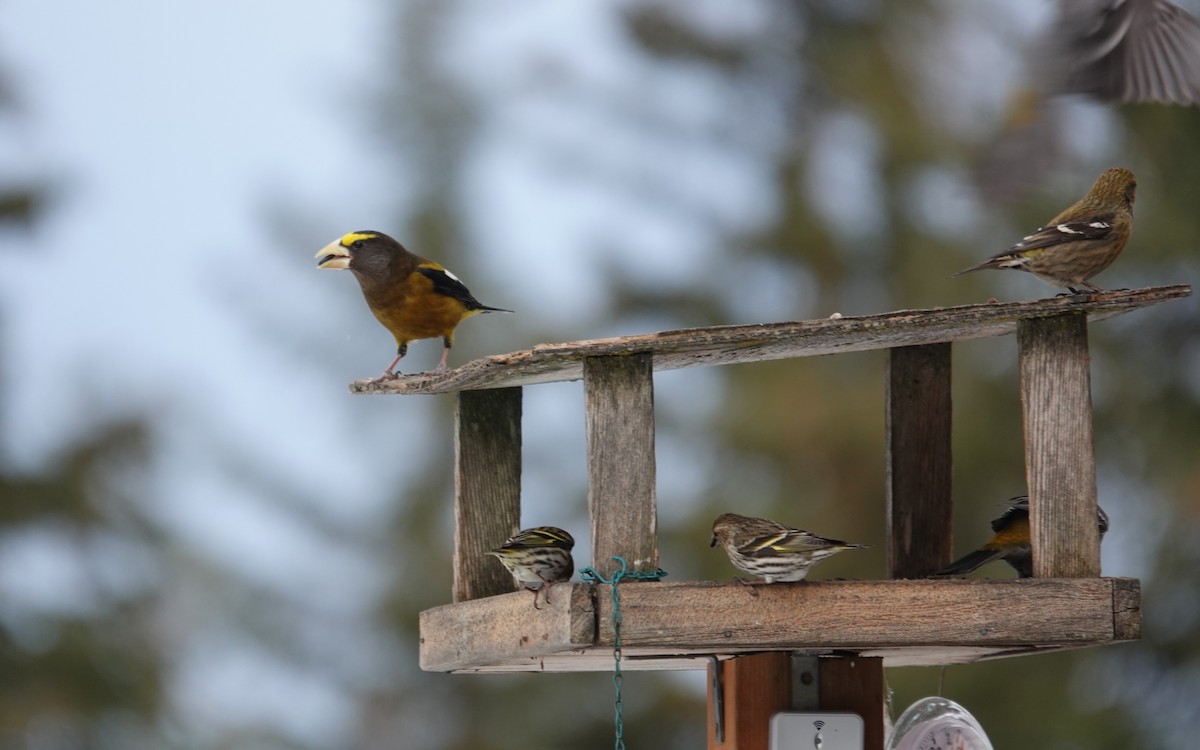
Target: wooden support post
[855,684]
[920,511]
[487,488]
[1060,464]
[758,686]
[619,398]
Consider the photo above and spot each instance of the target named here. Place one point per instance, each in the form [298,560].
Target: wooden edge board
[692,347]
[677,625]
[476,631]
[857,615]
[1127,609]
[600,659]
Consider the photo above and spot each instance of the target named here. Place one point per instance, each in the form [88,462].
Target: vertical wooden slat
[619,398]
[920,511]
[756,687]
[1060,469]
[487,488]
[855,684]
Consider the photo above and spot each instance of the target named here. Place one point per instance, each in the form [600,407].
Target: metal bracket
[717,685]
[806,673]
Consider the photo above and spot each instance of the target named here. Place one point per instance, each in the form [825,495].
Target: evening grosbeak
[770,550]
[538,558]
[412,297]
[1009,542]
[1081,241]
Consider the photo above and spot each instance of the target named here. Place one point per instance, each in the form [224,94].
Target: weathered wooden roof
[728,344]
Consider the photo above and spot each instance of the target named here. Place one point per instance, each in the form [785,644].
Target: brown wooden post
[487,488]
[855,684]
[619,398]
[756,687]
[1060,464]
[920,511]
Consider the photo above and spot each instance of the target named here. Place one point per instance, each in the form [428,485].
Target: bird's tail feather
[989,263]
[970,562]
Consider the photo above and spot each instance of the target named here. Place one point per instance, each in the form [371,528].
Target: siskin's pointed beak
[333,256]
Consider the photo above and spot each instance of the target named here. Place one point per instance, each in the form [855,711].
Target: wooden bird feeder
[820,644]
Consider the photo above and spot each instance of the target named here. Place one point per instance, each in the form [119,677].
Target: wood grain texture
[487,488]
[457,636]
[756,687]
[677,625]
[1060,468]
[661,659]
[920,509]
[1127,609]
[856,615]
[619,401]
[856,684]
[694,347]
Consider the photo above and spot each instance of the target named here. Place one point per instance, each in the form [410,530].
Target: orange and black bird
[1081,241]
[1009,542]
[413,297]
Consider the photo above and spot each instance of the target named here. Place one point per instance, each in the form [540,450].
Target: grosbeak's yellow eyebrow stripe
[352,237]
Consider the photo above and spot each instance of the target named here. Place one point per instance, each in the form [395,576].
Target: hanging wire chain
[591,575]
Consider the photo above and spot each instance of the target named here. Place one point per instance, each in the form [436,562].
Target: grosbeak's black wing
[448,284]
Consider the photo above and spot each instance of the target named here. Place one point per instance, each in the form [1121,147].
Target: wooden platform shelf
[678,625]
[856,627]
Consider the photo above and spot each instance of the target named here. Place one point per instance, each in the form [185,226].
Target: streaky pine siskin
[770,550]
[538,558]
[1081,241]
[1009,542]
[413,297]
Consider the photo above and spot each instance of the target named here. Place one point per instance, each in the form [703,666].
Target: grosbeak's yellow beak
[333,255]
